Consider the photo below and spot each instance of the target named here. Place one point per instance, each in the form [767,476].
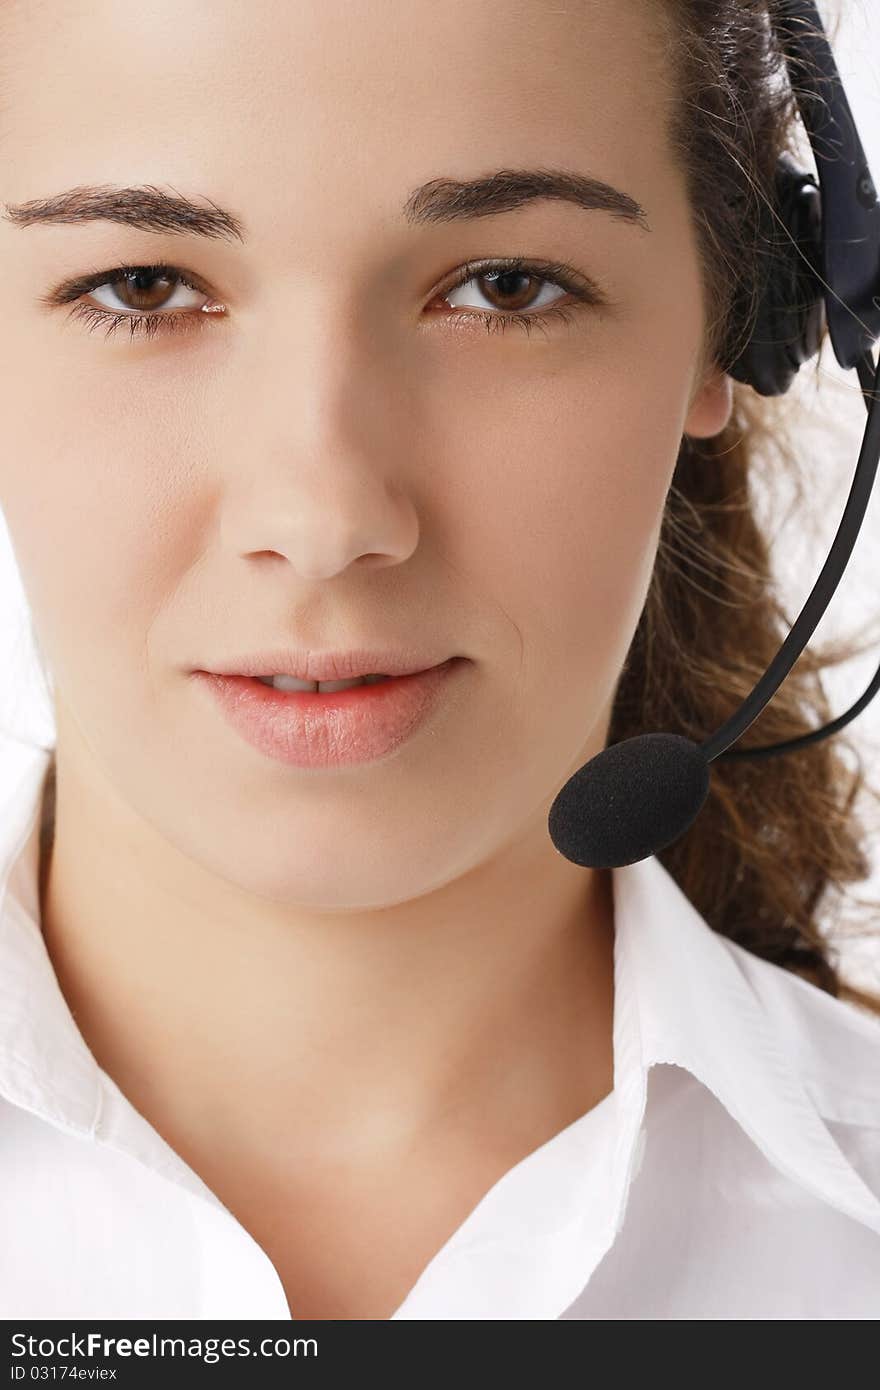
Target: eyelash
[149,324]
[585,293]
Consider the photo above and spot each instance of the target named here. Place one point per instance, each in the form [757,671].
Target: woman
[305,1011]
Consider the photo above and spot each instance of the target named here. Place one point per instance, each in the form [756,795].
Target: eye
[515,283]
[143,291]
[149,308]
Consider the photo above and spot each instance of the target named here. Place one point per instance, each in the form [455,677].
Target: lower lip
[307,729]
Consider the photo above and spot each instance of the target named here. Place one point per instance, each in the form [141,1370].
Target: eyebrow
[145,207]
[151,209]
[505,190]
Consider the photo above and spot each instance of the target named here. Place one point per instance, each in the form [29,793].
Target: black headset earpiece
[822,267]
[789,320]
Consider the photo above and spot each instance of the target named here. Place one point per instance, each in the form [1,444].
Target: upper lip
[326,666]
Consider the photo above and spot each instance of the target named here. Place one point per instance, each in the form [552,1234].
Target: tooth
[328,687]
[287,683]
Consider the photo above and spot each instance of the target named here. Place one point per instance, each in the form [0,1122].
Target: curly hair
[777,836]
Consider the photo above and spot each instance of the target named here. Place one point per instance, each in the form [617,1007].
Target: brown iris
[507,280]
[137,282]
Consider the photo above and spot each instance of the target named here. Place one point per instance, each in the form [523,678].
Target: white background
[830,422]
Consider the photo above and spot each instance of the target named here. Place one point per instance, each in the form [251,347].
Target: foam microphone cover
[630,801]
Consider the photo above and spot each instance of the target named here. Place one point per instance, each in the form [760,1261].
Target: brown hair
[775,835]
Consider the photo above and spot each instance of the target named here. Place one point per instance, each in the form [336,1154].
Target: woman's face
[341,459]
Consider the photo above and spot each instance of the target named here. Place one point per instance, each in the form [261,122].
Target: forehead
[302,112]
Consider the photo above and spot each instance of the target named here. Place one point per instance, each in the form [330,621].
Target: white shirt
[732,1172]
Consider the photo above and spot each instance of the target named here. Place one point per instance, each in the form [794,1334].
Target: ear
[711,406]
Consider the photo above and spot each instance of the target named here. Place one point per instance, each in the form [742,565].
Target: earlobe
[711,408]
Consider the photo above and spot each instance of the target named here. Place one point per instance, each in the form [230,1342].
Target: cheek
[563,530]
[87,490]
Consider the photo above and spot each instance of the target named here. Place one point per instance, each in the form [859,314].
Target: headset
[638,796]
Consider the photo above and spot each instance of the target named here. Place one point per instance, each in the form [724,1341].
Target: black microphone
[638,796]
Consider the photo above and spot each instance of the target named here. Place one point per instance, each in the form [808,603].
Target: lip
[305,728]
[329,666]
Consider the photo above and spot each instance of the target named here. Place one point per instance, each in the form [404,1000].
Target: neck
[239,1021]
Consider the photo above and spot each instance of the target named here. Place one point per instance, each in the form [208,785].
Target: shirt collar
[683,994]
[700,1007]
[45,1065]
